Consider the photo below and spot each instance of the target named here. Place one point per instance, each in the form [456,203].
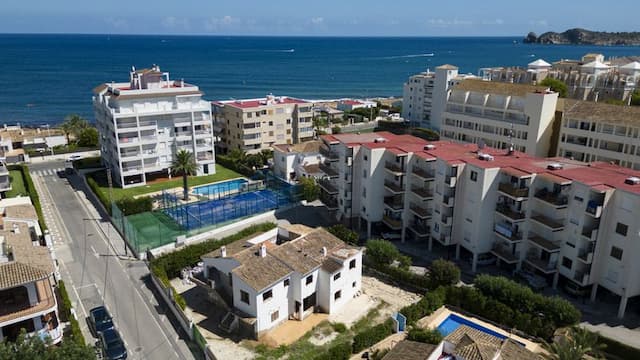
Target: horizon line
[262,35]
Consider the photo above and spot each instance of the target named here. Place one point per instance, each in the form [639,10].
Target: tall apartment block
[565,220]
[501,114]
[424,95]
[144,122]
[256,124]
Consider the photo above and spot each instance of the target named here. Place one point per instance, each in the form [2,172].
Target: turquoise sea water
[45,77]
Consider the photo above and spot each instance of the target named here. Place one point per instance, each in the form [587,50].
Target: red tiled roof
[252,103]
[351,102]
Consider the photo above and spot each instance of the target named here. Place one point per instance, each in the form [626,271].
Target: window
[353,284]
[309,279]
[616,252]
[270,123]
[249,115]
[366,158]
[474,176]
[566,262]
[267,295]
[352,264]
[364,174]
[244,297]
[336,276]
[275,315]
[286,282]
[622,229]
[288,121]
[337,295]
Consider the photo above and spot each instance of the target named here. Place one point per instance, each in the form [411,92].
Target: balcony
[394,203]
[505,254]
[149,139]
[129,155]
[553,225]
[393,187]
[422,192]
[328,186]
[581,277]
[131,170]
[394,168]
[553,199]
[590,234]
[147,125]
[514,192]
[446,220]
[128,141]
[450,181]
[204,156]
[45,302]
[506,211]
[594,210]
[329,201]
[328,154]
[423,174]
[394,224]
[182,134]
[507,233]
[421,212]
[546,266]
[585,255]
[327,169]
[421,230]
[543,243]
[444,239]
[447,201]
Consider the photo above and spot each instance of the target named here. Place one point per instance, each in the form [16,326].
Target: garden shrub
[339,327]
[345,234]
[443,273]
[340,351]
[428,336]
[131,206]
[371,336]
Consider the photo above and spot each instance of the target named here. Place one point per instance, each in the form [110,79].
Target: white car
[74,158]
[391,236]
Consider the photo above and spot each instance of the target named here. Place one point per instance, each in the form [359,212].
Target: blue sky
[318,18]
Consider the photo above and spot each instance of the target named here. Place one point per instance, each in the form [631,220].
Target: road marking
[95,253]
[86,286]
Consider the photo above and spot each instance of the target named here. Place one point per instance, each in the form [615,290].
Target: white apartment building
[564,220]
[284,274]
[293,162]
[144,122]
[424,95]
[253,125]
[500,115]
[600,132]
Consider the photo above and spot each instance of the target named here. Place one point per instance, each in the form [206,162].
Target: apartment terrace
[328,154]
[506,211]
[513,191]
[554,199]
[394,168]
[505,254]
[330,171]
[328,186]
[543,243]
[392,223]
[422,192]
[10,311]
[546,266]
[420,229]
[420,211]
[554,225]
[394,202]
[423,174]
[507,233]
[393,187]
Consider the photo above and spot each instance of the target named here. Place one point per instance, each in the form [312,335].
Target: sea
[44,78]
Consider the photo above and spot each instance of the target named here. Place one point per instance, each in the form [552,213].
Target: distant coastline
[585,37]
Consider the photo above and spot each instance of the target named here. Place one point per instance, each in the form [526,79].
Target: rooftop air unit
[429,147]
[555,166]
[485,157]
[632,180]
[379,140]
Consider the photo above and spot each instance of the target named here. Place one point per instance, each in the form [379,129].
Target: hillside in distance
[585,37]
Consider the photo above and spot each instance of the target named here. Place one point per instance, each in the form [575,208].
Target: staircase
[229,323]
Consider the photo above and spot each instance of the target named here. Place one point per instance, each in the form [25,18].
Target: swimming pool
[452,322]
[220,189]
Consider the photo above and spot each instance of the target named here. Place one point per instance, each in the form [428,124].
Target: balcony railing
[594,209]
[393,167]
[395,224]
[445,239]
[450,181]
[586,255]
[556,200]
[328,186]
[590,234]
[513,215]
[422,192]
[421,212]
[543,243]
[420,229]
[393,187]
[505,254]
[329,201]
[424,174]
[447,201]
[507,232]
[513,191]
[545,266]
[581,277]
[328,154]
[554,225]
[327,169]
[394,202]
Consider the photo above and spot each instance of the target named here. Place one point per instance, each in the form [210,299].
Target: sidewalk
[36,159]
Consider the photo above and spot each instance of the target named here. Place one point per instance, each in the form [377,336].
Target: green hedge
[33,193]
[98,192]
[428,336]
[345,234]
[371,336]
[131,206]
[65,309]
[340,351]
[234,165]
[429,303]
[88,163]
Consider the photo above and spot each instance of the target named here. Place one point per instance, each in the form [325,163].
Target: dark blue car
[100,320]
[112,345]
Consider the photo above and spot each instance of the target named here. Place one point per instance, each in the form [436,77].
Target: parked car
[391,236]
[534,281]
[74,157]
[111,345]
[100,320]
[574,289]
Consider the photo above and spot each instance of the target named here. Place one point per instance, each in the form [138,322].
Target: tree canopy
[34,348]
[557,86]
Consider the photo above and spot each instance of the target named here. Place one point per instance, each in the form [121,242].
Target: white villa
[283,274]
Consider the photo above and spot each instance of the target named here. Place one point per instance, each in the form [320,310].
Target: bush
[88,163]
[234,165]
[65,311]
[340,351]
[104,199]
[429,303]
[343,233]
[131,206]
[556,85]
[428,336]
[442,273]
[33,193]
[382,252]
[635,98]
[336,129]
[88,137]
[371,336]
[339,327]
[310,189]
[426,134]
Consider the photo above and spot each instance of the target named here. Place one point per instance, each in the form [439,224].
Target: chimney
[324,251]
[223,251]
[263,250]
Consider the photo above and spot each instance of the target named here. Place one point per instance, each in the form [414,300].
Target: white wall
[279,302]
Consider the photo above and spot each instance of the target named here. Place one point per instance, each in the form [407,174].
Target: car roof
[111,333]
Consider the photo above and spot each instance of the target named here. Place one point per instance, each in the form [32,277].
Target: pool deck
[437,317]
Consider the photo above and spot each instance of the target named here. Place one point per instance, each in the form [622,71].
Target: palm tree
[574,345]
[265,155]
[74,124]
[184,164]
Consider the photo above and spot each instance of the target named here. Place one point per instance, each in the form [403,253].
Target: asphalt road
[96,270]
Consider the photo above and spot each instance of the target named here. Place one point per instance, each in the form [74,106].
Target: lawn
[17,184]
[221,174]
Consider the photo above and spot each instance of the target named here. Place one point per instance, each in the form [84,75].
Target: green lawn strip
[221,174]
[17,184]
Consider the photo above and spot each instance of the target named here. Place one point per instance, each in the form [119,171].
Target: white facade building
[286,273]
[144,122]
[564,220]
[293,162]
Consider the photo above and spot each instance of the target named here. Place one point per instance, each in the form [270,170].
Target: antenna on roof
[511,146]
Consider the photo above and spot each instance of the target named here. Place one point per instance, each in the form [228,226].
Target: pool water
[220,188]
[452,322]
